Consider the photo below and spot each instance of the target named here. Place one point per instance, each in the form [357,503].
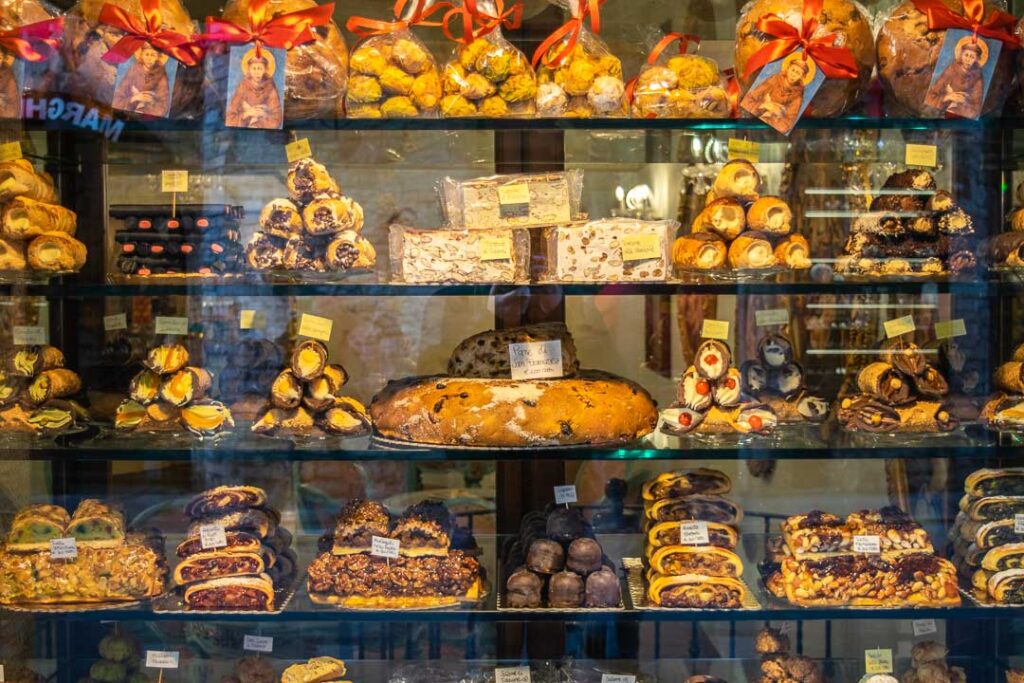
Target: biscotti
[512,201]
[490,256]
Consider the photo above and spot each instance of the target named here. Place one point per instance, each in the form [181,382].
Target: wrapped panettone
[36,23]
[838,32]
[577,75]
[681,86]
[908,51]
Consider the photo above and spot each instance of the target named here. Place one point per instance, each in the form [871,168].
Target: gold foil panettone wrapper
[676,84]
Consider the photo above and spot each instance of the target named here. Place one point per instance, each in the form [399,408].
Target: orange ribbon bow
[685,39]
[33,42]
[364,27]
[999,24]
[571,31]
[470,13]
[834,62]
[284,31]
[147,31]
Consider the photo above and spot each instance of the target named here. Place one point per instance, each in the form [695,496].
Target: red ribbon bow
[146,31]
[685,39]
[999,24]
[470,13]
[571,30]
[283,31]
[732,91]
[364,27]
[33,42]
[834,62]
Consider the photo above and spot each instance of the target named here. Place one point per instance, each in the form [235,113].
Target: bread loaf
[486,354]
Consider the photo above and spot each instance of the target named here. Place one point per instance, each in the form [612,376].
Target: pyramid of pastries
[902,392]
[1005,410]
[555,561]
[986,545]
[36,233]
[777,381]
[112,565]
[692,575]
[428,572]
[169,394]
[710,398]
[930,665]
[36,391]
[305,398]
[739,228]
[777,665]
[122,659]
[256,556]
[911,228]
[317,229]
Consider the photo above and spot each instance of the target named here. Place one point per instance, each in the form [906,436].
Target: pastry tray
[71,608]
[638,590]
[387,443]
[573,610]
[173,602]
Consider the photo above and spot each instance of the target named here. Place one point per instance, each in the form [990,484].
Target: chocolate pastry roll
[755,419]
[214,564]
[348,251]
[680,420]
[885,383]
[700,251]
[1006,481]
[545,556]
[286,390]
[723,217]
[263,253]
[667,533]
[996,507]
[281,218]
[695,392]
[904,356]
[676,560]
[1007,249]
[956,222]
[12,255]
[29,361]
[686,482]
[301,254]
[166,359]
[1001,558]
[926,416]
[309,360]
[910,179]
[712,359]
[18,178]
[252,521]
[56,383]
[185,386]
[565,524]
[523,589]
[56,251]
[238,542]
[727,390]
[787,380]
[330,215]
[872,416]
[584,556]
[308,179]
[1007,586]
[603,589]
[996,533]
[770,214]
[899,203]
[223,499]
[23,218]
[738,179]
[794,252]
[696,591]
[231,593]
[696,507]
[931,383]
[566,589]
[359,521]
[1010,377]
[424,529]
[751,250]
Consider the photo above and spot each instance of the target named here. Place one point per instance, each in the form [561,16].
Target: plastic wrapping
[578,76]
[40,77]
[609,250]
[493,256]
[680,85]
[846,20]
[527,200]
[908,52]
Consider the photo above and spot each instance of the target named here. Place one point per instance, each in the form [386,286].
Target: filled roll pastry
[1007,481]
[676,560]
[237,542]
[694,391]
[751,250]
[700,251]
[794,252]
[97,525]
[12,255]
[35,526]
[56,251]
[787,380]
[755,419]
[686,482]
[286,390]
[29,361]
[23,218]
[1001,558]
[281,218]
[309,359]
[349,250]
[885,383]
[667,533]
[223,499]
[904,356]
[727,391]
[206,417]
[1007,586]
[167,358]
[931,383]
[707,508]
[359,521]
[264,252]
[992,534]
[1010,377]
[19,178]
[775,350]
[680,420]
[724,217]
[870,415]
[696,591]
[185,386]
[215,564]
[144,387]
[330,215]
[252,521]
[232,593]
[771,215]
[51,384]
[926,416]
[738,179]
[308,179]
[712,359]
[995,507]
[1007,249]
[754,376]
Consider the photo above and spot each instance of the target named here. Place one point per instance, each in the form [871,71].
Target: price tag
[316,327]
[867,544]
[258,644]
[771,316]
[166,324]
[565,494]
[950,328]
[118,321]
[297,150]
[924,627]
[744,149]
[878,661]
[384,547]
[10,151]
[174,181]
[1018,524]
[212,536]
[157,659]
[28,335]
[536,360]
[641,247]
[715,329]
[512,674]
[922,155]
[496,249]
[617,678]
[63,548]
[898,326]
[514,200]
[693,533]
[249,319]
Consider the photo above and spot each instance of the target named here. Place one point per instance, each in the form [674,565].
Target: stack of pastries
[36,233]
[740,228]
[243,574]
[902,393]
[1005,410]
[169,394]
[911,228]
[820,565]
[112,565]
[428,572]
[710,398]
[556,562]
[305,398]
[775,379]
[317,229]
[986,545]
[777,665]
[692,576]
[36,391]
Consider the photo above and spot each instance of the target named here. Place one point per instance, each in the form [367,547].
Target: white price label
[171,325]
[771,316]
[258,644]
[536,360]
[63,549]
[617,678]
[899,326]
[158,659]
[512,674]
[29,335]
[212,536]
[385,547]
[867,544]
[1018,524]
[565,494]
[118,321]
[924,627]
[693,533]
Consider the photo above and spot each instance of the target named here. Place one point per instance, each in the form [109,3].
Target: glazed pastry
[751,250]
[330,215]
[712,359]
[926,416]
[23,218]
[56,251]
[696,591]
[257,522]
[724,217]
[602,589]
[308,360]
[566,589]
[885,383]
[701,251]
[676,560]
[523,589]
[794,252]
[584,556]
[19,178]
[1007,249]
[738,179]
[12,255]
[167,359]
[686,482]
[281,218]
[771,215]
[308,179]
[545,557]
[349,251]
[51,384]
[956,222]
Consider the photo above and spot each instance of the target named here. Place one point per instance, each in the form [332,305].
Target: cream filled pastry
[775,350]
[695,391]
[727,390]
[756,420]
[713,359]
[681,420]
[755,377]
[789,379]
[813,408]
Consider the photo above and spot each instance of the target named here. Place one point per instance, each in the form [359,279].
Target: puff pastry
[23,218]
[56,251]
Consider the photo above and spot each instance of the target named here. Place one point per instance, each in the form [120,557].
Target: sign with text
[212,536]
[28,335]
[384,547]
[158,659]
[297,150]
[950,328]
[63,548]
[715,329]
[878,661]
[258,644]
[512,674]
[771,316]
[171,325]
[899,326]
[118,321]
[316,327]
[536,360]
[641,247]
[922,155]
[693,533]
[174,181]
[924,627]
[867,544]
[744,149]
[565,494]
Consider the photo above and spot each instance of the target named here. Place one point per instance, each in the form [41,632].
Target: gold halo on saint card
[812,68]
[982,47]
[265,54]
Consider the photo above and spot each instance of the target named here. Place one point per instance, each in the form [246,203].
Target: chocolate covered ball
[565,524]
[545,556]
[523,589]
[565,589]
[584,556]
[603,589]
